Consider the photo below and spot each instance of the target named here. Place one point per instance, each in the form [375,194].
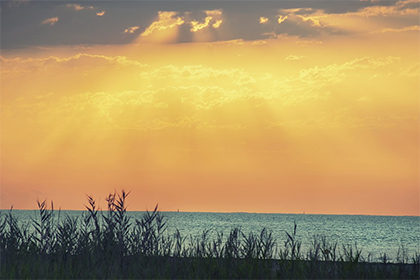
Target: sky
[212,106]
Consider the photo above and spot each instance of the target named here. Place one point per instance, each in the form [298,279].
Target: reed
[108,244]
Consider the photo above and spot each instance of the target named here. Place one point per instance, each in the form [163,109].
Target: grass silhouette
[107,244]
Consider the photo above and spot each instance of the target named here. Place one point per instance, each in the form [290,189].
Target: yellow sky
[287,124]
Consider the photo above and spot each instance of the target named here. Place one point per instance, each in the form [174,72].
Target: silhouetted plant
[293,245]
[217,246]
[67,236]
[232,245]
[107,244]
[179,247]
[267,244]
[44,227]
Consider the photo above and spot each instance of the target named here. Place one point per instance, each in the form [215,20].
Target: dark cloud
[408,5]
[21,24]
[297,26]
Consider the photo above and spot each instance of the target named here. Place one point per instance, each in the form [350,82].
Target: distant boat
[178,210]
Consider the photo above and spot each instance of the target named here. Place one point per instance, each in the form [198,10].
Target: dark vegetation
[107,244]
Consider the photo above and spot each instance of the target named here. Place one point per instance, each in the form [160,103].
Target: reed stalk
[107,244]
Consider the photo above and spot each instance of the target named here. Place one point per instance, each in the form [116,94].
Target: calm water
[375,235]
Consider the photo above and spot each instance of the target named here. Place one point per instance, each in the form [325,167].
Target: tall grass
[107,244]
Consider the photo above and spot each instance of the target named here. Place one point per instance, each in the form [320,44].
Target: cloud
[301,26]
[213,18]
[197,74]
[47,61]
[187,26]
[263,20]
[300,11]
[77,7]
[195,25]
[335,73]
[294,57]
[165,20]
[281,18]
[217,24]
[234,21]
[171,106]
[50,21]
[309,42]
[313,21]
[301,22]
[214,13]
[131,29]
[401,8]
[239,42]
[309,84]
[320,83]
[412,71]
[131,95]
[398,30]
[16,3]
[83,63]
[210,19]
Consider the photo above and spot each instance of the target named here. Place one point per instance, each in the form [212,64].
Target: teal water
[375,235]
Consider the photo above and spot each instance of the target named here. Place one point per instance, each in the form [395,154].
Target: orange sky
[317,113]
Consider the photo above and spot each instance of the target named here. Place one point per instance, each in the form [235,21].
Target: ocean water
[375,235]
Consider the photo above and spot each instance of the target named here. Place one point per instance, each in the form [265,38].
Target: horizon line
[231,212]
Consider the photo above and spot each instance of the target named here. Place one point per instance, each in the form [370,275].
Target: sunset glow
[273,107]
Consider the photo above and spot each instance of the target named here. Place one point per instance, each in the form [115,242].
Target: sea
[396,236]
